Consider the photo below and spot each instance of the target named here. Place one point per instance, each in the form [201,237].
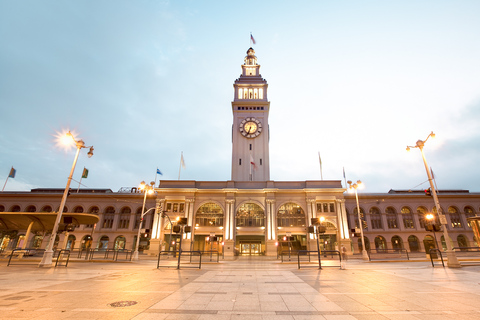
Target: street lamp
[452,261]
[164,215]
[147,189]
[48,254]
[432,226]
[355,186]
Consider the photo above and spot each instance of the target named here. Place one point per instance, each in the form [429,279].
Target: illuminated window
[108,216]
[376,218]
[455,217]
[209,215]
[407,218]
[240,93]
[250,215]
[124,220]
[290,215]
[391,218]
[260,93]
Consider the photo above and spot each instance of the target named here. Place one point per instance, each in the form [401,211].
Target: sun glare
[63,140]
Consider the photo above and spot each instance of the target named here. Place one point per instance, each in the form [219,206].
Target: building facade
[249,214]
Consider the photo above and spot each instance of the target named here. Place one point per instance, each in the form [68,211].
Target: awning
[42,221]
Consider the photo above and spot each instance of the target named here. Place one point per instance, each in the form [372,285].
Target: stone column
[156,229]
[311,213]
[343,230]
[229,247]
[271,228]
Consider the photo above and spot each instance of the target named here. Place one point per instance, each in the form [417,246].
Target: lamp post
[452,261]
[355,186]
[48,254]
[432,227]
[164,215]
[148,189]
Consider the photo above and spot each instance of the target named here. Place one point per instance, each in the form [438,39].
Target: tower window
[250,146]
[239,162]
[260,161]
[240,92]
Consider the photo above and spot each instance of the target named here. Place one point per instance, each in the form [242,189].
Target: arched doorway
[429,243]
[367,244]
[462,242]
[103,243]
[397,243]
[87,242]
[413,243]
[71,242]
[291,219]
[380,244]
[250,229]
[209,219]
[120,243]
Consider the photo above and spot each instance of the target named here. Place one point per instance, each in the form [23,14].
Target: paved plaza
[256,288]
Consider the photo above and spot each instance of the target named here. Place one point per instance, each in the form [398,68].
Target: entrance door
[250,248]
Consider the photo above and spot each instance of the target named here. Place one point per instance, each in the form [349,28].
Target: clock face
[250,127]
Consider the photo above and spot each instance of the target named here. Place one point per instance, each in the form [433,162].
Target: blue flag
[12,173]
[159,172]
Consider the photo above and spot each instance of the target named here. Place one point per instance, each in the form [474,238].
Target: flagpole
[344,178]
[156,173]
[5,183]
[7,179]
[79,183]
[320,160]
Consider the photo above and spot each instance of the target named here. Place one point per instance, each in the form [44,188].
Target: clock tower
[250,131]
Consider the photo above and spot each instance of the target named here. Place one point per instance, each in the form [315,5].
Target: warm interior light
[322,219]
[429,216]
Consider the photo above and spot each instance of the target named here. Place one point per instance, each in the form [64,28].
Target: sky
[144,81]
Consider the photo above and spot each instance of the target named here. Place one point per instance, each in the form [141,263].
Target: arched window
[209,215]
[94,210]
[407,218]
[2,208]
[391,218]
[138,217]
[78,209]
[454,217]
[422,211]
[31,209]
[362,216]
[469,212]
[250,215]
[124,220]
[108,216]
[376,218]
[47,209]
[290,215]
[413,244]
[15,208]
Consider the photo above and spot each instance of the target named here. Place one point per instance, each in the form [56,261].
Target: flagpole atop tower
[252,40]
